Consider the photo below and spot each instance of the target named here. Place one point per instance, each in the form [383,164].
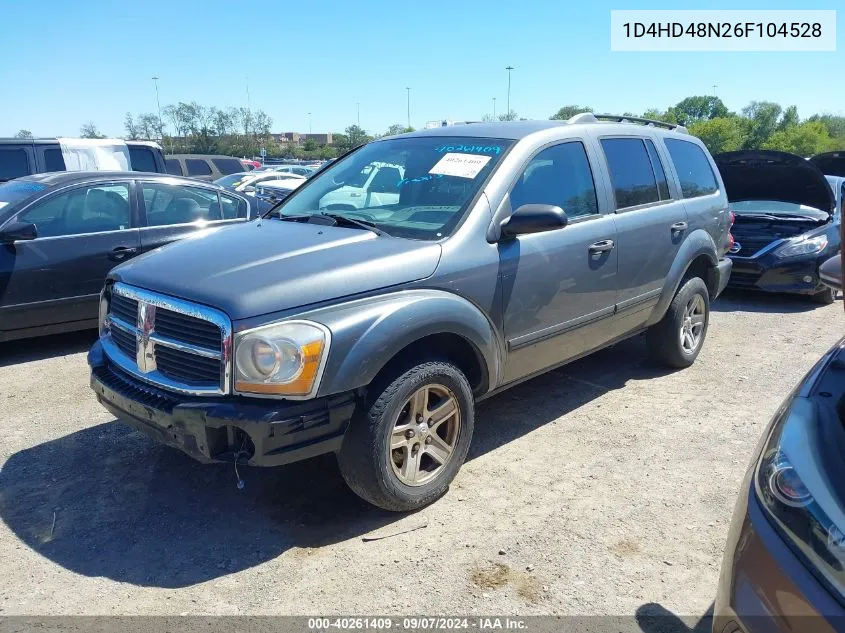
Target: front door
[558,287]
[56,278]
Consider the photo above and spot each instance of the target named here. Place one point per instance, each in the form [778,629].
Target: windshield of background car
[775,207]
[417,187]
[15,191]
[232,180]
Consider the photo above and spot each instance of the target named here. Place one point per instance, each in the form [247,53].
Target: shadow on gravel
[41,347]
[654,618]
[733,300]
[106,501]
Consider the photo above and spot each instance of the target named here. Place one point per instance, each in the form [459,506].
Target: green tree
[722,134]
[667,116]
[356,135]
[133,132]
[24,134]
[89,130]
[835,127]
[698,108]
[569,111]
[509,116]
[804,139]
[789,118]
[310,145]
[763,117]
[397,128]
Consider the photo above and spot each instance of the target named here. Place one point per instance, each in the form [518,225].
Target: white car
[299,170]
[245,182]
[377,185]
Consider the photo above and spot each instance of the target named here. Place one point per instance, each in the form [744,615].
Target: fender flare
[368,333]
[696,244]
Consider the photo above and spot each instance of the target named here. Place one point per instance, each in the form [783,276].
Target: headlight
[802,246]
[283,359]
[794,485]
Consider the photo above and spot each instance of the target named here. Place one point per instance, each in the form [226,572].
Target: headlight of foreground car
[794,488]
[802,246]
[283,359]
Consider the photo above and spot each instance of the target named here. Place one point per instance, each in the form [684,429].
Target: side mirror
[534,218]
[830,272]
[18,231]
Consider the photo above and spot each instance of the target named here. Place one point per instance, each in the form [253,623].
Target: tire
[374,471]
[825,297]
[666,342]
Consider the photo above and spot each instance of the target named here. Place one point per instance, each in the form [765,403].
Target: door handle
[121,252]
[602,246]
[679,226]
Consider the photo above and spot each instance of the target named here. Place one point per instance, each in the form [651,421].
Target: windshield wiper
[362,224]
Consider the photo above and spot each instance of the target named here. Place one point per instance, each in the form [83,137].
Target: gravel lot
[605,487]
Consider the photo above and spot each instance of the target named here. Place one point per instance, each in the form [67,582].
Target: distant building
[298,138]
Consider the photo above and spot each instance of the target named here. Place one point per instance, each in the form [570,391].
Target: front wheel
[825,297]
[406,443]
[678,337]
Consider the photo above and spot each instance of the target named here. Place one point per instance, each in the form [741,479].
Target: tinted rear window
[197,167]
[142,159]
[693,168]
[173,167]
[53,160]
[227,165]
[14,163]
[630,171]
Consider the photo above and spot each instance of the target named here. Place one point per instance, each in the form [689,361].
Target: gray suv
[480,256]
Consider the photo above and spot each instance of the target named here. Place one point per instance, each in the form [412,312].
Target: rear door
[83,232]
[651,224]
[172,211]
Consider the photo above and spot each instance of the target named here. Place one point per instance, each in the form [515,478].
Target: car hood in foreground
[771,175]
[268,266]
[830,163]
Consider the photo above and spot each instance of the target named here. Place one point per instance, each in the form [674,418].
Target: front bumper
[259,432]
[770,274]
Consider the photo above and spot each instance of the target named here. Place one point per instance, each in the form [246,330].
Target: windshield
[15,191]
[775,207]
[416,187]
[232,180]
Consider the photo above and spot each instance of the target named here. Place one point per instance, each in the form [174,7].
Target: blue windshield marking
[407,181]
[470,149]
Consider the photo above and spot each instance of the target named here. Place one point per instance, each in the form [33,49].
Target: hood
[830,163]
[268,266]
[778,176]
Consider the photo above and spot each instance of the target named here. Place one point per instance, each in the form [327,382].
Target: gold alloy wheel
[424,435]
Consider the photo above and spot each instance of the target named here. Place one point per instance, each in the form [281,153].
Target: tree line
[193,128]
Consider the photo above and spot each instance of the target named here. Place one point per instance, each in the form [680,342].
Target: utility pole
[158,105]
[408,90]
[509,69]
[714,89]
[494,108]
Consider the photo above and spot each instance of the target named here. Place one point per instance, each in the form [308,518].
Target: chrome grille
[176,344]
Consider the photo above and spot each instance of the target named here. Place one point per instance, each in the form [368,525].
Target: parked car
[830,163]
[299,170]
[203,167]
[508,249]
[245,182]
[61,233]
[377,184]
[249,165]
[784,227]
[23,157]
[784,564]
[269,193]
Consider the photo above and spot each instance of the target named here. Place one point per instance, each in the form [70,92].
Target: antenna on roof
[583,117]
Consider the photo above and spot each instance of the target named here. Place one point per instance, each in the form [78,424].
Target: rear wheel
[406,444]
[678,337]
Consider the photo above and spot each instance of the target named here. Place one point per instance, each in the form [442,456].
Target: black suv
[23,157]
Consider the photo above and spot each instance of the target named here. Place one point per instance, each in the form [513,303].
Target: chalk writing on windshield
[408,181]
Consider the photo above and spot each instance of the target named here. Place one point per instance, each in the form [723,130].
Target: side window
[693,168]
[232,208]
[559,175]
[14,163]
[91,209]
[142,159]
[173,167]
[227,166]
[630,171]
[197,167]
[662,187]
[178,204]
[53,160]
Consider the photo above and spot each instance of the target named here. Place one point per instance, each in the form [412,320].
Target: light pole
[158,105]
[494,108]
[309,123]
[714,89]
[358,104]
[408,90]
[509,69]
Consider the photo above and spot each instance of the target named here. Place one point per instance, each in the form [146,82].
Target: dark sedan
[61,233]
[784,228]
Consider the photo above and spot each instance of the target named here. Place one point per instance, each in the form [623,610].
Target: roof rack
[589,117]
